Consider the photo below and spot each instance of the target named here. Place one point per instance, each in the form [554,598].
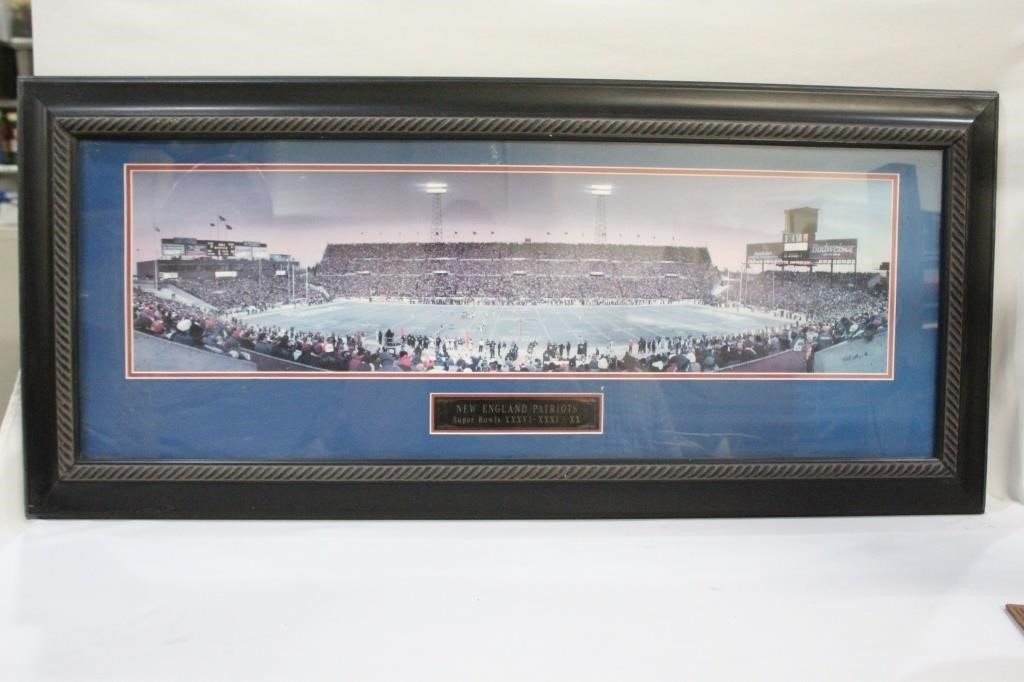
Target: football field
[603,326]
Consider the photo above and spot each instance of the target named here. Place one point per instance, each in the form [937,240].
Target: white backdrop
[886,43]
[771,599]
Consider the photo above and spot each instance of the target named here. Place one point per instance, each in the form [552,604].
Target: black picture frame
[56,114]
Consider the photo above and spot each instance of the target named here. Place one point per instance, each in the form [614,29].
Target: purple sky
[300,212]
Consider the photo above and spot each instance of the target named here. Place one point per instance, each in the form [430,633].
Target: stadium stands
[819,310]
[516,273]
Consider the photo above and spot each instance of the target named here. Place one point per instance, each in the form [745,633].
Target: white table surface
[915,598]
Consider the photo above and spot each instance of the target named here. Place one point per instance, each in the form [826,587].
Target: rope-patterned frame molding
[67,130]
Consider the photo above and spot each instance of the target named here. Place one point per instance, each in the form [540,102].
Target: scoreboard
[795,246]
[187,248]
[800,246]
[220,249]
[801,228]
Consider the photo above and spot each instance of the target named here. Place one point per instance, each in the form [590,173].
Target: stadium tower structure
[601,193]
[800,246]
[436,190]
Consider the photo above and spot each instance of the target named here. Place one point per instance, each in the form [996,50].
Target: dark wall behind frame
[56,113]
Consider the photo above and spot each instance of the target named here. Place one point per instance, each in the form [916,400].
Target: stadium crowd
[247,290]
[823,309]
[516,273]
[819,295]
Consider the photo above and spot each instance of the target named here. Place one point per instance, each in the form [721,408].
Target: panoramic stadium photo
[392,270]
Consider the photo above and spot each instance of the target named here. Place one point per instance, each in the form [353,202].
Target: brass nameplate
[516,413]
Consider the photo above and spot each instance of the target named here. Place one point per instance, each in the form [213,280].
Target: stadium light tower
[600,192]
[436,190]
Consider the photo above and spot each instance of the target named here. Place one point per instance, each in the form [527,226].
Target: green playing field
[603,325]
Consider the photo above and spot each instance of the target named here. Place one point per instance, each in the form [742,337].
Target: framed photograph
[367,298]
